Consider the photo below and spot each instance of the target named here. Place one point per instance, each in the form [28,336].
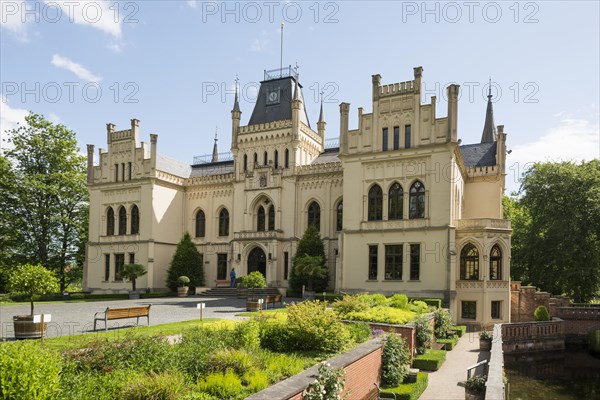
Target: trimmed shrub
[222,385]
[432,360]
[374,300]
[459,330]
[163,386]
[29,371]
[418,306]
[429,301]
[398,301]
[443,322]
[187,261]
[395,360]
[254,280]
[409,391]
[449,344]
[386,315]
[541,314]
[360,331]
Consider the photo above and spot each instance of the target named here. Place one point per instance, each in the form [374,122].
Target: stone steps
[242,293]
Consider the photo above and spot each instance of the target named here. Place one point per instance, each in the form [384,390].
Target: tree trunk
[31,300]
[133,284]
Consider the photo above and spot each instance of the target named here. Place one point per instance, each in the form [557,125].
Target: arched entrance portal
[257,261]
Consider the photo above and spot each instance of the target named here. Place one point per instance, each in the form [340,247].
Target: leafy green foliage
[310,244]
[398,301]
[254,280]
[541,314]
[28,371]
[240,361]
[431,360]
[163,386]
[409,391]
[555,228]
[132,272]
[310,268]
[222,385]
[360,331]
[450,343]
[443,323]
[348,304]
[395,360]
[183,281]
[328,385]
[459,330]
[187,261]
[382,314]
[476,384]
[431,302]
[246,335]
[43,199]
[424,334]
[31,280]
[418,306]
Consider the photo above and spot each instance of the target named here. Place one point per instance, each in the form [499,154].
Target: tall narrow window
[375,207]
[468,309]
[122,171]
[415,262]
[271,224]
[130,170]
[116,172]
[245,162]
[131,258]
[286,265]
[395,201]
[255,159]
[314,215]
[373,262]
[339,216]
[122,221]
[287,158]
[224,222]
[384,139]
[110,222]
[396,137]
[393,262]
[416,207]
[221,266]
[106,267]
[496,263]
[469,263]
[119,262]
[496,310]
[276,159]
[266,158]
[407,136]
[260,219]
[135,220]
[200,224]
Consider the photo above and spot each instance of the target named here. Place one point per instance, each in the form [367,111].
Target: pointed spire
[321,112]
[296,82]
[215,155]
[489,128]
[236,104]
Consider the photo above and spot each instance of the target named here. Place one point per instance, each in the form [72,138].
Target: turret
[452,112]
[153,140]
[321,124]
[236,115]
[344,110]
[90,163]
[489,129]
[215,154]
[296,104]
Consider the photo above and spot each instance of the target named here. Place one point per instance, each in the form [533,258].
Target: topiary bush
[254,280]
[431,360]
[187,261]
[541,314]
[29,371]
[395,360]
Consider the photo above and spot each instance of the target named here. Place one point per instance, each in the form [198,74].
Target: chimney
[90,163]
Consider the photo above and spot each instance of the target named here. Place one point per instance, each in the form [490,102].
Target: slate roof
[172,166]
[479,154]
[329,155]
[264,113]
[208,169]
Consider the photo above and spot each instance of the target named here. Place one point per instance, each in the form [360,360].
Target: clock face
[273,96]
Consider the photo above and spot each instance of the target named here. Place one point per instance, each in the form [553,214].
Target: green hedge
[432,360]
[459,330]
[87,296]
[449,344]
[408,391]
[430,302]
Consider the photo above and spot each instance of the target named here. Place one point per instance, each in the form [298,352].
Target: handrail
[472,367]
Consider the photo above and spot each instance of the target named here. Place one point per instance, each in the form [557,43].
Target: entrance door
[257,261]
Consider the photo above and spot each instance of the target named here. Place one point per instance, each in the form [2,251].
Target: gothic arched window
[314,215]
[395,201]
[110,222]
[375,208]
[245,162]
[339,216]
[495,263]
[200,224]
[416,205]
[224,222]
[135,220]
[271,226]
[469,263]
[260,219]
[287,158]
[122,221]
[276,159]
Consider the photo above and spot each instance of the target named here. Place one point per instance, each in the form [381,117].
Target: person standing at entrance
[232,277]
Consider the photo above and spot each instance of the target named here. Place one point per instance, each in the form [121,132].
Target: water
[573,374]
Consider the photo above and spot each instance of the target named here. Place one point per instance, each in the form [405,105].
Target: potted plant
[485,341]
[30,280]
[254,280]
[182,290]
[475,387]
[132,272]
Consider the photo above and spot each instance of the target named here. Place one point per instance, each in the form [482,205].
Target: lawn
[281,310]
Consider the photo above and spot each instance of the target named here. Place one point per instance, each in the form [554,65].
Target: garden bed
[408,391]
[432,360]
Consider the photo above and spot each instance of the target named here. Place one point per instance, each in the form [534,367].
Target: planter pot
[485,344]
[474,395]
[134,295]
[253,305]
[25,328]
[182,291]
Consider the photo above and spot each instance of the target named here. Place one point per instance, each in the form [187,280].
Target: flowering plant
[328,385]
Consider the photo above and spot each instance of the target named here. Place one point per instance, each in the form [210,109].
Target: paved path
[78,317]
[447,383]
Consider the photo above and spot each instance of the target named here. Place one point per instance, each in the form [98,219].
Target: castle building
[401,205]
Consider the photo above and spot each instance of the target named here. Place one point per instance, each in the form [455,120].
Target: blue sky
[172,64]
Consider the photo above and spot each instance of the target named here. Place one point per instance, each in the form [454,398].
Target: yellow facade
[280,175]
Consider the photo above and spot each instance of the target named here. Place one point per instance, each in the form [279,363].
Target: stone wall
[525,299]
[527,337]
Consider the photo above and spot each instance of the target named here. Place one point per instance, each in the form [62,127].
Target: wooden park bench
[121,313]
[273,299]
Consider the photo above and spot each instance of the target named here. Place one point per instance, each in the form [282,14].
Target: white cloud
[12,19]
[10,118]
[259,45]
[192,3]
[78,69]
[98,14]
[55,119]
[572,140]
